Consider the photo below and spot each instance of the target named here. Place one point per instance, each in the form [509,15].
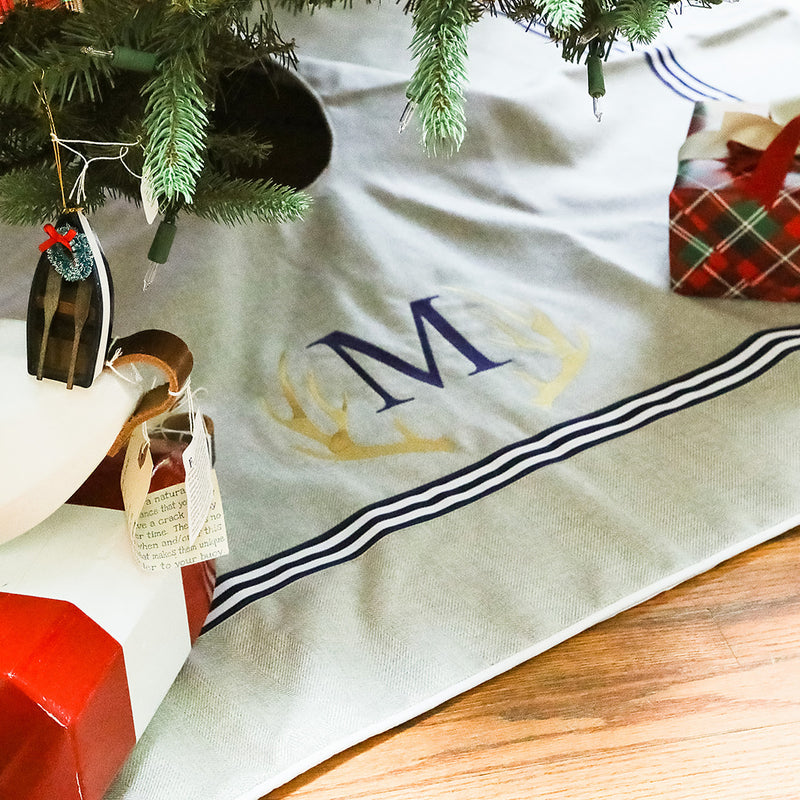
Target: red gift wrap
[89,644]
[7,6]
[735,220]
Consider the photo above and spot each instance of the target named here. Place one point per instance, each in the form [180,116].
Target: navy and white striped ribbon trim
[352,537]
[666,68]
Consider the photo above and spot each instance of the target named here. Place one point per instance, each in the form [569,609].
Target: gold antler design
[339,445]
[549,340]
[552,341]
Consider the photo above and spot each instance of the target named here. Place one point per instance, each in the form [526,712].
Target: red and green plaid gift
[7,6]
[735,216]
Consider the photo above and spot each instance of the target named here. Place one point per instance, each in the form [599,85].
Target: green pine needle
[31,196]
[233,201]
[258,35]
[437,86]
[563,14]
[62,76]
[310,6]
[175,122]
[230,151]
[640,21]
[23,139]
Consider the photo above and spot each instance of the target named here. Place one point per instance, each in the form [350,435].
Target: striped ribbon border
[663,64]
[668,70]
[348,540]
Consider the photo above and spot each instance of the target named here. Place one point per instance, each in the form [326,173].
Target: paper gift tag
[137,470]
[199,486]
[161,536]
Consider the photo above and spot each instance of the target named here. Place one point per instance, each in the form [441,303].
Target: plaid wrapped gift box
[735,220]
[7,6]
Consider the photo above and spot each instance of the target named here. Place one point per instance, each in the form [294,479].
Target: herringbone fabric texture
[459,414]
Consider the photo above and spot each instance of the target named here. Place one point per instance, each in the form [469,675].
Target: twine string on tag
[78,191]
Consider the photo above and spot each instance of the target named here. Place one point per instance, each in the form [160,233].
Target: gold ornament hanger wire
[54,139]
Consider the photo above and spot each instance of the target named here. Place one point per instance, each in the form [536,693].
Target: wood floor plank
[694,694]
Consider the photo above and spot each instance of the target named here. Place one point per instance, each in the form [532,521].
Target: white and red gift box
[89,642]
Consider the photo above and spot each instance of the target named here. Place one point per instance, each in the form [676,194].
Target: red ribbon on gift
[741,158]
[57,238]
[770,167]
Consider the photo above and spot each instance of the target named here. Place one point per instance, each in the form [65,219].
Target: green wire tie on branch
[126,58]
[596,81]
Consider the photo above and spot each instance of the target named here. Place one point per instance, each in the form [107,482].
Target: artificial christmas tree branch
[175,125]
[584,30]
[232,151]
[233,201]
[572,24]
[437,87]
[143,73]
[33,59]
[156,72]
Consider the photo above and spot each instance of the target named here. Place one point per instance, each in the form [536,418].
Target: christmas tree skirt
[461,415]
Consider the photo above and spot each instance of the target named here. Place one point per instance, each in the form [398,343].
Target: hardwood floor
[693,694]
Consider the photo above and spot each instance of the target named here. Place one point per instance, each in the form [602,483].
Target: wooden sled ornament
[70,305]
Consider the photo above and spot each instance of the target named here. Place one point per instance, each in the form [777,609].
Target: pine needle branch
[31,59]
[571,23]
[229,151]
[299,6]
[436,88]
[175,121]
[23,139]
[261,37]
[232,201]
[639,21]
[111,22]
[31,196]
[561,15]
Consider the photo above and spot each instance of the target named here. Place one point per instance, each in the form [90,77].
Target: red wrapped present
[735,206]
[89,643]
[7,6]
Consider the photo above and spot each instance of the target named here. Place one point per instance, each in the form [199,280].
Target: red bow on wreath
[57,238]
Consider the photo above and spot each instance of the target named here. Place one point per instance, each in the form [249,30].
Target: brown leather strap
[168,353]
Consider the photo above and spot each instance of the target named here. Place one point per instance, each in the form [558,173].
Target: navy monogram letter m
[344,344]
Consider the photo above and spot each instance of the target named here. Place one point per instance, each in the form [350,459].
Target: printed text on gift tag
[161,536]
